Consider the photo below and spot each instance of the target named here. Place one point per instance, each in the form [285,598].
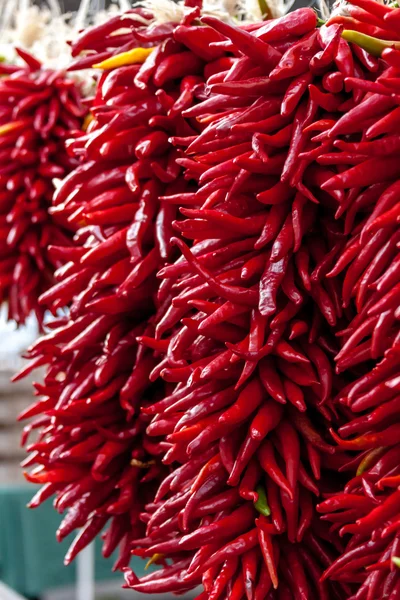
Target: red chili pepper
[298,23]
[266,420]
[295,60]
[268,463]
[271,279]
[259,51]
[267,550]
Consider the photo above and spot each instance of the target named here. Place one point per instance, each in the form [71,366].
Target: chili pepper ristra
[39,109]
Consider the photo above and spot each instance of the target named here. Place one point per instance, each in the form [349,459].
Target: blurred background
[73,4]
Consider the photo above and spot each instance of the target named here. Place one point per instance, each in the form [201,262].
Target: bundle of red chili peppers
[93,451]
[39,110]
[233,300]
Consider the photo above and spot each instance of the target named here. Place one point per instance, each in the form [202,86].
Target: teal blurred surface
[31,560]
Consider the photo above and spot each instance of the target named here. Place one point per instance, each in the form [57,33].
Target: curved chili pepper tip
[131,57]
[130,577]
[335,436]
[29,59]
[153,560]
[373,45]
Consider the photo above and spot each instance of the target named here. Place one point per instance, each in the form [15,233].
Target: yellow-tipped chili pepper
[369,459]
[11,126]
[131,57]
[155,558]
[373,45]
[396,561]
